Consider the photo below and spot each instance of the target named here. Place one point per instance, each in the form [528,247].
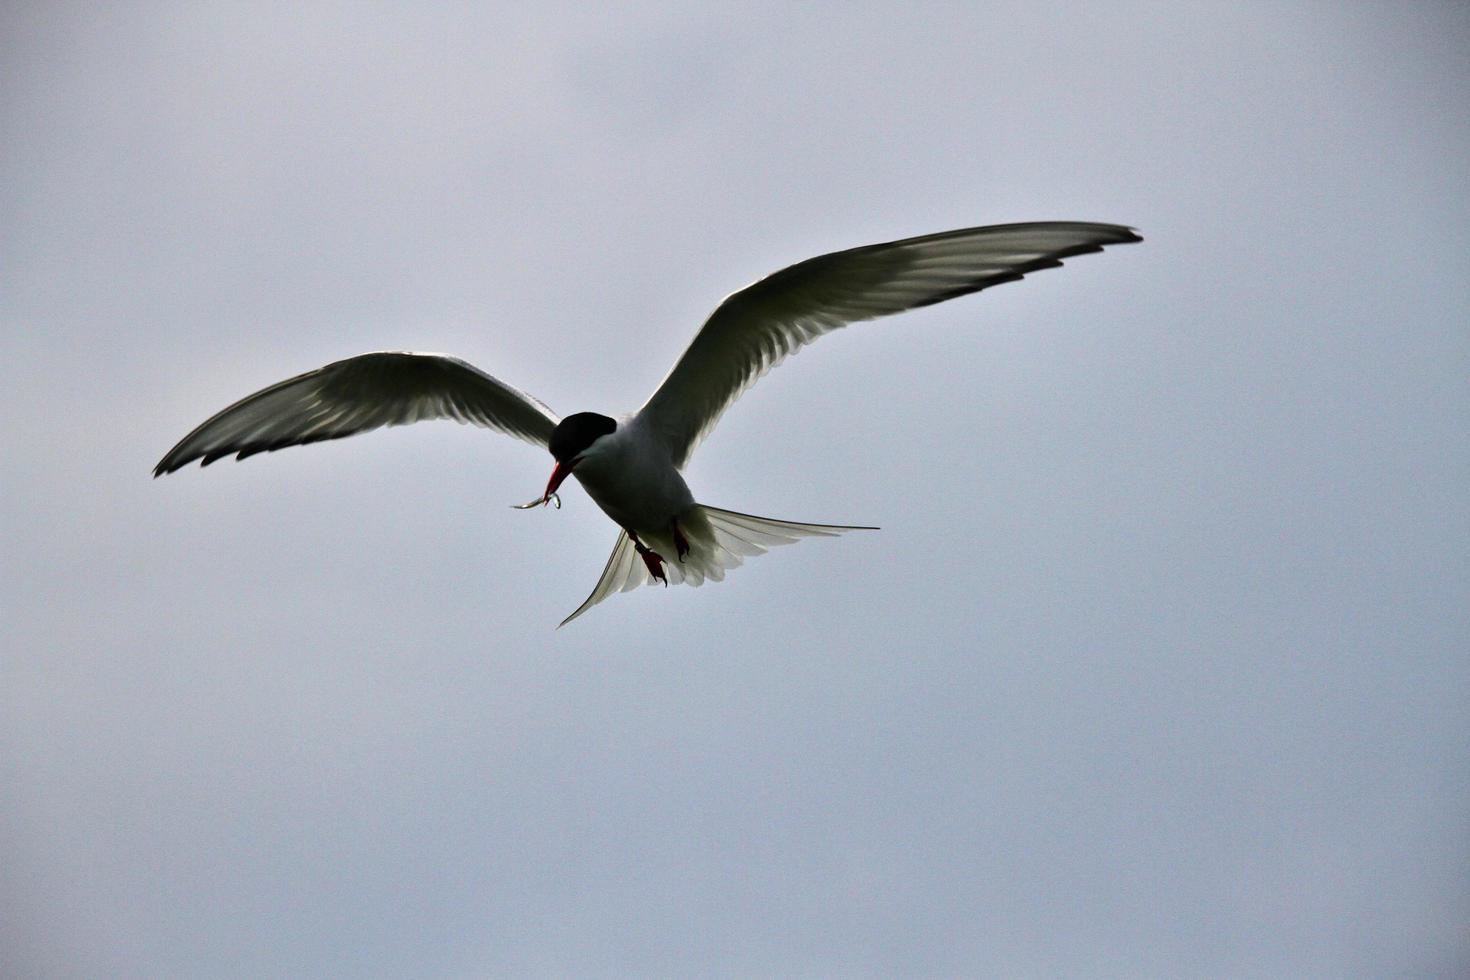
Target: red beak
[562,471]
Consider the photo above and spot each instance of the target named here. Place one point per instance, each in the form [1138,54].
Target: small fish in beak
[558,476]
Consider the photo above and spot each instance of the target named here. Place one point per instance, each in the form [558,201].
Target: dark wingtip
[1121,235]
[1118,235]
[171,464]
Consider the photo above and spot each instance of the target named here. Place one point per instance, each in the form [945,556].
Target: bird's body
[630,476]
[632,467]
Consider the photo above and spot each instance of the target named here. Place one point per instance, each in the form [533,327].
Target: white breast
[630,476]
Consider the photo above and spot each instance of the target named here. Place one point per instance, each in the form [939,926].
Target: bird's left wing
[754,329]
[362,393]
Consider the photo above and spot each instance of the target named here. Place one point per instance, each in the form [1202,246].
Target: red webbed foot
[655,563]
[652,559]
[681,543]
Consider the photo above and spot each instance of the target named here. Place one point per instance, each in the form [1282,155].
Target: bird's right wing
[362,393]
[755,328]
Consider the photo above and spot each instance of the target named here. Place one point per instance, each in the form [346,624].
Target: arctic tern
[631,466]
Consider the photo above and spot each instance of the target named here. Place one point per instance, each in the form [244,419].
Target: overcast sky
[1160,665]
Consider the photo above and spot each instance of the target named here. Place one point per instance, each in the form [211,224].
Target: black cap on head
[576,432]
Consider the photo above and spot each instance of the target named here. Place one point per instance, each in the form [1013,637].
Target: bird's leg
[681,543]
[651,558]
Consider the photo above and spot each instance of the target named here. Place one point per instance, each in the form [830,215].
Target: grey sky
[1158,668]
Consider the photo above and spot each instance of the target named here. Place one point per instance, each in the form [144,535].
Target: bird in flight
[631,466]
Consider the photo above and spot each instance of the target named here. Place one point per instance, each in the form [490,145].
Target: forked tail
[718,540]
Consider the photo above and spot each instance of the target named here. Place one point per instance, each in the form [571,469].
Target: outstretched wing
[754,329]
[361,393]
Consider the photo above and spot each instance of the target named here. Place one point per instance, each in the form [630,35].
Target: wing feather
[360,394]
[756,328]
